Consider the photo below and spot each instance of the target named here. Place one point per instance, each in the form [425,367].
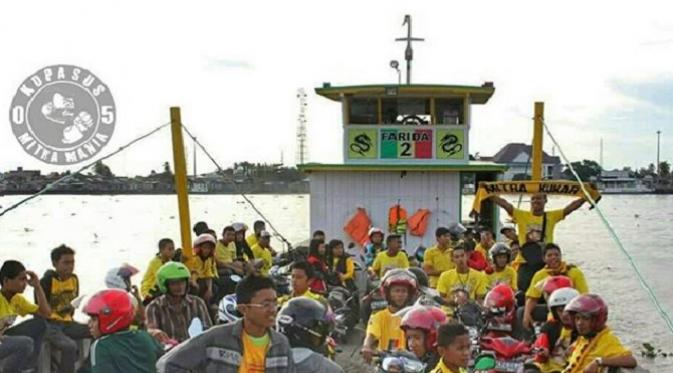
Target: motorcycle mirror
[195,327]
[484,362]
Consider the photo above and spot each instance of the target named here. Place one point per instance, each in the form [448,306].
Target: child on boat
[263,253]
[148,285]
[502,273]
[317,258]
[453,346]
[205,269]
[375,245]
[420,325]
[557,334]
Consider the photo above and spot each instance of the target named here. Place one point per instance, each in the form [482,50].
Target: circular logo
[63,114]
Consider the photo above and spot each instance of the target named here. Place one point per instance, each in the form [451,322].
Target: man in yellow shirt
[554,266]
[536,220]
[393,257]
[597,347]
[257,227]
[462,278]
[383,330]
[502,273]
[263,254]
[302,272]
[454,348]
[21,343]
[485,243]
[437,259]
[166,253]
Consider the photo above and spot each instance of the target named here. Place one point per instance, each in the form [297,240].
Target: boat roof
[478,94]
[471,166]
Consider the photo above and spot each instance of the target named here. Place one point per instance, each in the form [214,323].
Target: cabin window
[363,111]
[449,111]
[406,111]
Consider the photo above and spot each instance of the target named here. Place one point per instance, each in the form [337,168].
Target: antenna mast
[302,138]
[408,52]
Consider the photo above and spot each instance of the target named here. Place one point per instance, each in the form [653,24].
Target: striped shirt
[174,319]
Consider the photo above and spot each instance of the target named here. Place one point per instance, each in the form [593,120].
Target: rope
[614,236]
[82,169]
[245,197]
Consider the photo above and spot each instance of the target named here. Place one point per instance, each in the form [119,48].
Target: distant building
[518,158]
[620,182]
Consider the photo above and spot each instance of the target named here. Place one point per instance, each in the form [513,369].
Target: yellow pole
[537,141]
[181,185]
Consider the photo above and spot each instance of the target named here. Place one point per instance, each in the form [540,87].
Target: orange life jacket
[418,222]
[358,226]
[397,219]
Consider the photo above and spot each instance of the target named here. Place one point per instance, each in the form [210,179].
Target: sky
[603,70]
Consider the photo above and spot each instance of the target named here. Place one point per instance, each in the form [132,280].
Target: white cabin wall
[336,195]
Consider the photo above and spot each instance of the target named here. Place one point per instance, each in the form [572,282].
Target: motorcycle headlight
[395,364]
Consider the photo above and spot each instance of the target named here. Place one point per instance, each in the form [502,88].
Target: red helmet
[427,319]
[500,298]
[554,283]
[591,305]
[399,276]
[114,309]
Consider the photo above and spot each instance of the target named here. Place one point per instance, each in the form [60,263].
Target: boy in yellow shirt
[383,330]
[263,253]
[554,266]
[21,343]
[454,348]
[393,257]
[462,278]
[437,259]
[597,348]
[204,266]
[166,253]
[502,273]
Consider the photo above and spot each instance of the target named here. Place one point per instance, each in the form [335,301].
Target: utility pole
[302,136]
[408,52]
[658,139]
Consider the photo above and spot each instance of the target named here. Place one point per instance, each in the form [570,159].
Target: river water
[109,230]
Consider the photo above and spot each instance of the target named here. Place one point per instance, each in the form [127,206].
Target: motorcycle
[344,305]
[398,361]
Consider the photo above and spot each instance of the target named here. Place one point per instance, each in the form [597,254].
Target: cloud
[213,63]
[656,92]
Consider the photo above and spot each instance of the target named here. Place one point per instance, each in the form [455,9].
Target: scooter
[398,361]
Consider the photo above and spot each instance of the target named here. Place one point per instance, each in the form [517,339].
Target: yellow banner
[555,187]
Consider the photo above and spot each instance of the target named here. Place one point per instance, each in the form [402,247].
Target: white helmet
[226,310]
[373,230]
[120,277]
[561,297]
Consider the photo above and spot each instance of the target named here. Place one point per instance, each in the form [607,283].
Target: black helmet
[500,248]
[305,322]
[456,230]
[421,276]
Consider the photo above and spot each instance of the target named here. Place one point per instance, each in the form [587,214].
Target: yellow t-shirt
[204,268]
[575,274]
[18,305]
[384,262]
[605,345]
[439,260]
[150,276]
[254,354]
[385,327]
[526,221]
[225,254]
[60,296]
[558,358]
[473,282]
[264,254]
[506,276]
[251,240]
[350,268]
[308,294]
[442,368]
